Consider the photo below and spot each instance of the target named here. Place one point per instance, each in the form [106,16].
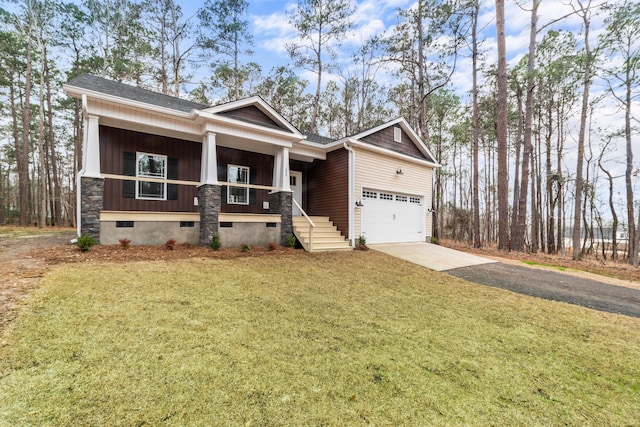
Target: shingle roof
[109,87]
[312,137]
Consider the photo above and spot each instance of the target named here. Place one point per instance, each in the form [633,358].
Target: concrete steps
[326,236]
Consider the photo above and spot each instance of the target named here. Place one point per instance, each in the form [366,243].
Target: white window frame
[139,174]
[231,198]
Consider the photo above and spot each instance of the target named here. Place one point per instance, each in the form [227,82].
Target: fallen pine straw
[328,339]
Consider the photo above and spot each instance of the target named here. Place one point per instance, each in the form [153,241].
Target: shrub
[272,246]
[361,244]
[435,241]
[215,242]
[85,242]
[125,243]
[245,248]
[170,244]
[290,241]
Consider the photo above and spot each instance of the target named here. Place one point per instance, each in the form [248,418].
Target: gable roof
[404,125]
[232,109]
[133,93]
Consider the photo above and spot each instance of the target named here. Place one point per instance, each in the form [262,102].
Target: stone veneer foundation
[92,190]
[280,203]
[209,204]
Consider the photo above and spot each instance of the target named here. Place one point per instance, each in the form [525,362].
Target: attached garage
[390,217]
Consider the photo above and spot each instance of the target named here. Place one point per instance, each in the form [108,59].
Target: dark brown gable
[384,139]
[252,114]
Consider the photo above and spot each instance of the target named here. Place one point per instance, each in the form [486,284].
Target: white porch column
[277,170]
[209,161]
[285,170]
[91,154]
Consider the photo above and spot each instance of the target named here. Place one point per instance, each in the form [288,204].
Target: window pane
[238,175]
[150,190]
[151,165]
[238,195]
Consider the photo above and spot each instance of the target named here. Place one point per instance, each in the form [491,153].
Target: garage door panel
[391,218]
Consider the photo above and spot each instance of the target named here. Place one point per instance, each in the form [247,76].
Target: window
[386,196]
[397,134]
[238,175]
[400,198]
[151,166]
[415,200]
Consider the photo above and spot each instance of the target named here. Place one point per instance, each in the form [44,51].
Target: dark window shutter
[129,169]
[253,193]
[222,176]
[172,173]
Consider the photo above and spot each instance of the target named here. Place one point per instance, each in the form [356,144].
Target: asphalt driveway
[551,285]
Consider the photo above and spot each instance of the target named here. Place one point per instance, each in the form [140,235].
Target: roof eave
[78,92]
[366,146]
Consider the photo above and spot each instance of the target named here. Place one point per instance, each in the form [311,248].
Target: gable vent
[397,134]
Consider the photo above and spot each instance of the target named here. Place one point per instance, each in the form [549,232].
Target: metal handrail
[311,224]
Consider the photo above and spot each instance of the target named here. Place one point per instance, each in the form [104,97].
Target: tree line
[523,165]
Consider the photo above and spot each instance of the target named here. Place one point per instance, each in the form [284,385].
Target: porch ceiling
[246,144]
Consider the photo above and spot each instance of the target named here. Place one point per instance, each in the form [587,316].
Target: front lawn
[308,339]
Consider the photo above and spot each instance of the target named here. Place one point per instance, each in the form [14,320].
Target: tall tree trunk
[55,177]
[637,241]
[42,153]
[477,238]
[2,199]
[422,120]
[503,172]
[577,211]
[516,175]
[23,165]
[560,182]
[550,179]
[633,241]
[22,157]
[518,238]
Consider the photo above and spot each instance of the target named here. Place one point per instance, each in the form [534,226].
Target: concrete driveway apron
[432,256]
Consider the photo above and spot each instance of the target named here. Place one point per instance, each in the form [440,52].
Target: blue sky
[269,23]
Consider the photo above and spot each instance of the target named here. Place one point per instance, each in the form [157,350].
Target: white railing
[311,224]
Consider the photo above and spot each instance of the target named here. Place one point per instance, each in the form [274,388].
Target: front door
[295,182]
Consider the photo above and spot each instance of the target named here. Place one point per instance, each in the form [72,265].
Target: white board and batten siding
[394,205]
[146,121]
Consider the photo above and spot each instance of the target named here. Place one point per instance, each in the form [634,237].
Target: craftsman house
[156,167]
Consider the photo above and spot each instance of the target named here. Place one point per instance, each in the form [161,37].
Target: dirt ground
[25,258]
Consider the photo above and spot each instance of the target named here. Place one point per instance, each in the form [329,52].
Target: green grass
[558,267]
[328,339]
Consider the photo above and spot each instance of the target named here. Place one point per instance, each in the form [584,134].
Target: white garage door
[391,217]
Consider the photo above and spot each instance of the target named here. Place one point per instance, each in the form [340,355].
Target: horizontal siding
[378,172]
[328,189]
